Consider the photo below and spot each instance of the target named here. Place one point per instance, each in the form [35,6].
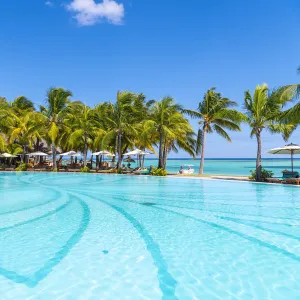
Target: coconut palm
[22,105]
[263,110]
[215,114]
[54,112]
[6,117]
[82,121]
[13,149]
[120,124]
[291,115]
[167,127]
[180,136]
[25,129]
[2,142]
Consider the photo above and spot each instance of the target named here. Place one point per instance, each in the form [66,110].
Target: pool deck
[199,176]
[205,176]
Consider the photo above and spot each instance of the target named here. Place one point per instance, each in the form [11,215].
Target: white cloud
[49,3]
[88,12]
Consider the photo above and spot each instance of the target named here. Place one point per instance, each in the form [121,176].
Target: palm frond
[218,129]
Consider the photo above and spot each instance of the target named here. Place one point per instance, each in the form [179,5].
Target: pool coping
[225,178]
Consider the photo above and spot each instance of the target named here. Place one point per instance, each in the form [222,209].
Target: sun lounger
[295,181]
[289,174]
[141,172]
[273,180]
[105,171]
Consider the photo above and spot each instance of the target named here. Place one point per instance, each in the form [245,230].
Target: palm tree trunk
[100,161]
[160,151]
[258,157]
[37,148]
[53,155]
[92,162]
[119,150]
[116,147]
[165,154]
[202,151]
[24,153]
[97,161]
[85,152]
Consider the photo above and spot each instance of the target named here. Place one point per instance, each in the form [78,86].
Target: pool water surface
[90,236]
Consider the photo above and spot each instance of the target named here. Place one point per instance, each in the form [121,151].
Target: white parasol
[7,155]
[290,149]
[39,153]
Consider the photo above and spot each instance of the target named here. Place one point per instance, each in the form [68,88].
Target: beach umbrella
[7,155]
[290,149]
[134,152]
[70,153]
[101,153]
[39,153]
[139,153]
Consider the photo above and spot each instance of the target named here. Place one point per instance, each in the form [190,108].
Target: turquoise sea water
[239,167]
[91,236]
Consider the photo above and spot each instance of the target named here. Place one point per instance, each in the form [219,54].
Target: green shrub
[85,170]
[21,167]
[264,173]
[158,172]
[55,170]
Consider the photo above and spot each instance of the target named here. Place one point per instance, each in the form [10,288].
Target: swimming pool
[85,236]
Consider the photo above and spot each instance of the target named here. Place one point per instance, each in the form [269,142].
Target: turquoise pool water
[85,236]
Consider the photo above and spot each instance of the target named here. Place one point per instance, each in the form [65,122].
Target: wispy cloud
[88,12]
[49,3]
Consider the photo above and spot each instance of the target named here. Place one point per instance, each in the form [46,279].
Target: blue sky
[177,48]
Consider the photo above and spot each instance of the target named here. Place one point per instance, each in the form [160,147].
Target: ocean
[226,166]
[232,166]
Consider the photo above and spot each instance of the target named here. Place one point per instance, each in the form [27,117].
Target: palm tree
[13,149]
[82,121]
[263,110]
[181,135]
[292,115]
[2,142]
[120,122]
[5,120]
[54,112]
[215,114]
[21,105]
[25,129]
[167,127]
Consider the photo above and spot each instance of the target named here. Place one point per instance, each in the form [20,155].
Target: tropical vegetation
[264,111]
[264,174]
[215,114]
[132,121]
